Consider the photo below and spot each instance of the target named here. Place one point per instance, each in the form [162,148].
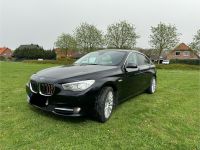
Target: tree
[195,44]
[121,35]
[163,37]
[88,37]
[66,42]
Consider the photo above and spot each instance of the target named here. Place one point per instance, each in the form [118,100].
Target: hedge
[178,67]
[2,58]
[22,54]
[185,61]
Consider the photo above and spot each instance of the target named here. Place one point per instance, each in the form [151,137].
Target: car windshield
[107,58]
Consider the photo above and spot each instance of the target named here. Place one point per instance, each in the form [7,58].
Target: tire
[152,87]
[104,104]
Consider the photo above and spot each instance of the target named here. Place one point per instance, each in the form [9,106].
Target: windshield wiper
[92,64]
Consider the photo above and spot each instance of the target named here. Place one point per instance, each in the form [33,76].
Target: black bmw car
[94,84]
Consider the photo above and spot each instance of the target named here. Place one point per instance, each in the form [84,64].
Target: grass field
[168,119]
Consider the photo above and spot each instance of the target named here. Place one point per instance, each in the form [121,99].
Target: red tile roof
[2,49]
[182,47]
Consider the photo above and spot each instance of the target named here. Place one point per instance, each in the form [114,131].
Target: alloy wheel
[108,104]
[153,85]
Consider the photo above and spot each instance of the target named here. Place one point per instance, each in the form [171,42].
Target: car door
[131,78]
[144,69]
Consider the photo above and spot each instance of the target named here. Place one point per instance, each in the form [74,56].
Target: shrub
[2,58]
[185,61]
[33,52]
[178,67]
[49,54]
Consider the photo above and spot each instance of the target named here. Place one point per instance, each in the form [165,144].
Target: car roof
[121,50]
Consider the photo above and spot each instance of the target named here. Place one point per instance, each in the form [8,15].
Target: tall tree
[163,37]
[195,44]
[121,35]
[65,42]
[88,37]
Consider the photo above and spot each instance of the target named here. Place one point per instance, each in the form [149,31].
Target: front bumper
[63,103]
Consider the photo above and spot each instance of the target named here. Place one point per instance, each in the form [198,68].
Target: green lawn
[168,119]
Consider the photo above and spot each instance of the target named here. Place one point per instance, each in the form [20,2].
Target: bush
[185,61]
[178,67]
[2,58]
[33,52]
[49,54]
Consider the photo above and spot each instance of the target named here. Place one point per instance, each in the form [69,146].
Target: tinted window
[132,58]
[142,60]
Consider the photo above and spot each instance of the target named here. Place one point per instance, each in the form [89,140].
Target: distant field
[168,119]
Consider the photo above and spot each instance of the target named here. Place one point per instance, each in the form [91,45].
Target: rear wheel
[104,104]
[152,87]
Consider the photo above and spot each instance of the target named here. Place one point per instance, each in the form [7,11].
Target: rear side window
[142,60]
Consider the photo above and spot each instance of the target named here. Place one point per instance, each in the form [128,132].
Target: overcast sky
[41,21]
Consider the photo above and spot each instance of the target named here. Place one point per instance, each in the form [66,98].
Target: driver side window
[142,60]
[132,58]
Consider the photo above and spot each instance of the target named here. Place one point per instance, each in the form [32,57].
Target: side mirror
[131,65]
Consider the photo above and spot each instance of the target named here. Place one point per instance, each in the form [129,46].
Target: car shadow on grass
[89,117]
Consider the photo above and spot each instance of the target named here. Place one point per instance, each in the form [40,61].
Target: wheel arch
[114,87]
[111,84]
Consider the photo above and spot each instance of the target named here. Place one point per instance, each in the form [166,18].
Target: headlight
[78,86]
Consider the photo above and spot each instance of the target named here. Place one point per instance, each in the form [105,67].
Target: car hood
[63,72]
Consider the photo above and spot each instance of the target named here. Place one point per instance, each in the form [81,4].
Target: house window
[177,53]
[186,53]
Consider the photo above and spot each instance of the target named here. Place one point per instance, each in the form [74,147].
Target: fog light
[47,102]
[77,110]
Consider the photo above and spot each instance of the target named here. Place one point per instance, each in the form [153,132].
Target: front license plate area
[39,100]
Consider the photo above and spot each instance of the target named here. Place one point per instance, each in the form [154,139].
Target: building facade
[5,52]
[182,51]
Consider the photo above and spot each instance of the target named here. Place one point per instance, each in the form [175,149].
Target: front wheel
[104,104]
[152,87]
